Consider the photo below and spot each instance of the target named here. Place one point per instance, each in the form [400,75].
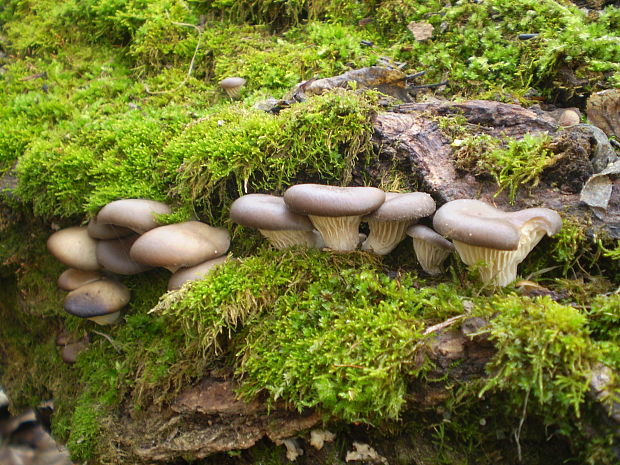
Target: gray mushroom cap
[193,273]
[113,255]
[106,231]
[180,245]
[73,278]
[477,223]
[232,82]
[263,211]
[322,200]
[135,214]
[74,247]
[98,298]
[424,233]
[403,207]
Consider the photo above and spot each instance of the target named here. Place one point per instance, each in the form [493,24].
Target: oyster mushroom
[388,224]
[99,301]
[335,212]
[106,231]
[73,278]
[180,245]
[193,273]
[232,85]
[134,214]
[431,249]
[75,248]
[498,240]
[270,215]
[113,255]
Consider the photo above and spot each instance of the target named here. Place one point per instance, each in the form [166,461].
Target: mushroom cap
[135,214]
[322,200]
[232,82]
[74,247]
[403,207]
[73,278]
[97,298]
[70,351]
[477,223]
[262,211]
[424,233]
[106,231]
[113,255]
[180,245]
[193,273]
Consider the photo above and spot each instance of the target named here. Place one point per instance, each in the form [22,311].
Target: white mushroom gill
[340,233]
[430,257]
[385,235]
[288,238]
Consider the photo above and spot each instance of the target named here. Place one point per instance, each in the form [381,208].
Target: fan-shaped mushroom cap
[431,249]
[388,223]
[100,301]
[232,85]
[180,245]
[335,211]
[501,240]
[73,278]
[106,231]
[113,255]
[270,215]
[194,273]
[135,214]
[75,248]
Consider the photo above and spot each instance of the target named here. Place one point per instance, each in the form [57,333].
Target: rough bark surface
[410,141]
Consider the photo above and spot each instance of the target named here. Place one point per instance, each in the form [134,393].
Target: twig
[110,340]
[348,366]
[191,64]
[442,325]
[518,430]
[428,86]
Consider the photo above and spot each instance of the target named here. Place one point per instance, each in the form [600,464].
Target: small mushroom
[75,248]
[431,249]
[73,278]
[99,301]
[70,351]
[568,118]
[113,255]
[180,245]
[270,215]
[498,240]
[388,224]
[335,212]
[232,85]
[106,231]
[193,273]
[134,214]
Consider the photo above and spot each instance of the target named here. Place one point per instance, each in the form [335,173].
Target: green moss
[513,163]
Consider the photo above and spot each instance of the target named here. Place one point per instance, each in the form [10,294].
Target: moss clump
[512,163]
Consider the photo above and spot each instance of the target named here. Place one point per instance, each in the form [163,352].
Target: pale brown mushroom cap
[75,248]
[106,231]
[96,299]
[113,255]
[409,206]
[73,278]
[263,211]
[135,214]
[180,245]
[232,82]
[426,234]
[322,200]
[194,273]
[70,351]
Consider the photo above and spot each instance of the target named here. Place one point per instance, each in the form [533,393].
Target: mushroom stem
[289,238]
[385,236]
[500,266]
[109,319]
[339,233]
[430,257]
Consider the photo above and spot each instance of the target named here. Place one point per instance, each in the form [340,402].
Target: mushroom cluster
[321,216]
[125,239]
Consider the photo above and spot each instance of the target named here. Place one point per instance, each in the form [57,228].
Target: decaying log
[410,141]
